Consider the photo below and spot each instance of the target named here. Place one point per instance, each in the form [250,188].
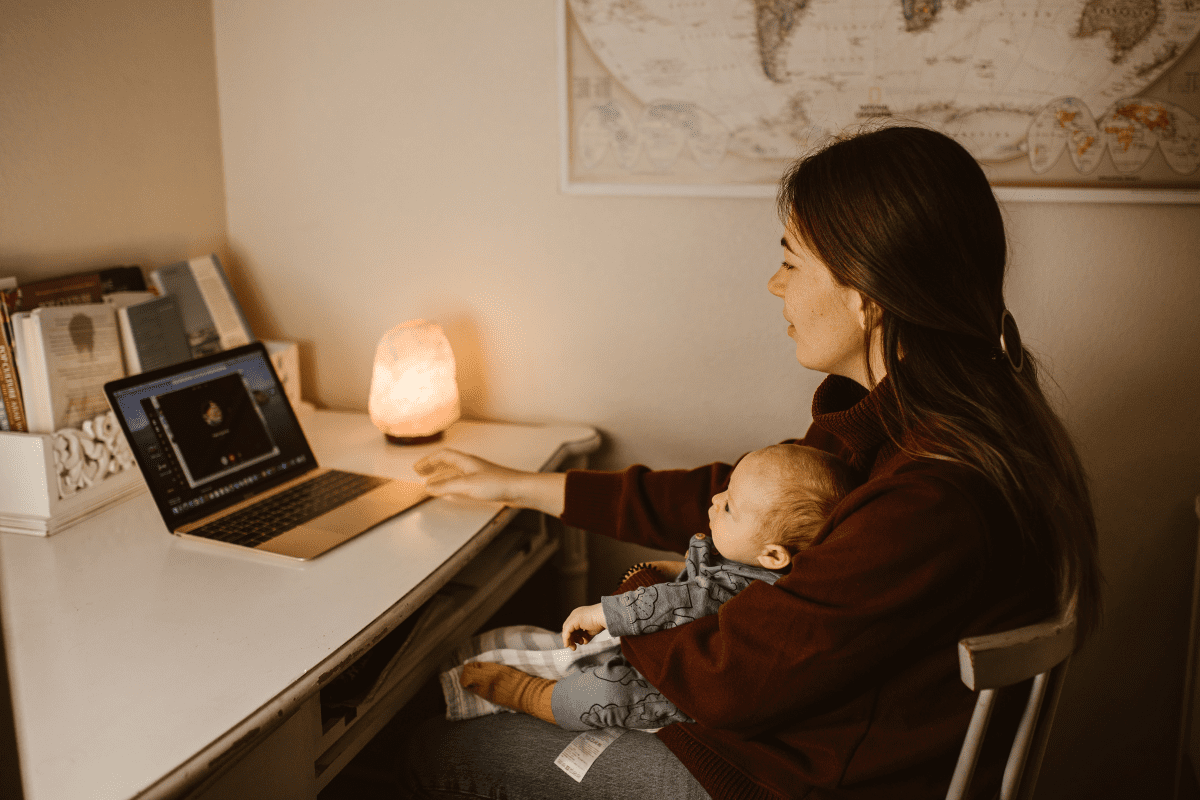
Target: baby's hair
[811,483]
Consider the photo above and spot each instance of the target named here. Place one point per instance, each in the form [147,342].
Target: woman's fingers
[444,469]
[448,461]
[450,472]
[476,487]
[443,486]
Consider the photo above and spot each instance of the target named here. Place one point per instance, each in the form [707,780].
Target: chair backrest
[990,663]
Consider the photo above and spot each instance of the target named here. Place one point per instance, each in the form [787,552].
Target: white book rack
[30,500]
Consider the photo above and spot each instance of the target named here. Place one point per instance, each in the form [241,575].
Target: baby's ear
[774,556]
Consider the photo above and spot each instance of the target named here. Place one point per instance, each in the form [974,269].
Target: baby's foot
[509,687]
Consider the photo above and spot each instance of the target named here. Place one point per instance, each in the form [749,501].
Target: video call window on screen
[215,427]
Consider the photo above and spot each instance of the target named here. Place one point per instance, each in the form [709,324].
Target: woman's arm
[657,508]
[661,509]
[450,472]
[910,572]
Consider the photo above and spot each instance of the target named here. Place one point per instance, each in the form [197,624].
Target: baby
[777,500]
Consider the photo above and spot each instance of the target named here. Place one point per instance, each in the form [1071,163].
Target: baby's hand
[583,623]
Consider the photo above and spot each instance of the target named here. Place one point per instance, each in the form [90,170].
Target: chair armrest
[1002,659]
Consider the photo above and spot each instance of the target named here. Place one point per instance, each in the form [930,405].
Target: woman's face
[826,320]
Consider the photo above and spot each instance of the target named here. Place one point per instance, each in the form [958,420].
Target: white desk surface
[132,650]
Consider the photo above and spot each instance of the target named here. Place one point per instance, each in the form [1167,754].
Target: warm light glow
[413,388]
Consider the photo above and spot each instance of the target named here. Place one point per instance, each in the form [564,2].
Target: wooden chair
[990,663]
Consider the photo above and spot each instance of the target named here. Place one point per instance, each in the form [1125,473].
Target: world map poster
[718,96]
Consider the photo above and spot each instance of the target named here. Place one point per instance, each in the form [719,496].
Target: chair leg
[1016,758]
[971,747]
[1041,735]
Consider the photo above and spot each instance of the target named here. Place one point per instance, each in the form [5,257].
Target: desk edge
[229,748]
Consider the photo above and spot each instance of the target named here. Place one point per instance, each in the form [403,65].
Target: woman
[841,679]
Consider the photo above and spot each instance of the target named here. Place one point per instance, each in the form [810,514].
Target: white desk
[142,665]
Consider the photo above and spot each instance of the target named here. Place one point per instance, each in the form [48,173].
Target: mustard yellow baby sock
[509,687]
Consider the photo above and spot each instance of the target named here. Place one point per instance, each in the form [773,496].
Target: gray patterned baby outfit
[609,692]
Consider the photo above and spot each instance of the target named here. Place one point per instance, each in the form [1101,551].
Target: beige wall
[385,161]
[109,145]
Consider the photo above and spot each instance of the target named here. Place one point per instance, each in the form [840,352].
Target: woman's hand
[450,472]
[584,623]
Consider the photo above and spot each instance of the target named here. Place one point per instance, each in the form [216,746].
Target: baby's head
[777,500]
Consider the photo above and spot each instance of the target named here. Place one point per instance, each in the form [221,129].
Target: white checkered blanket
[529,649]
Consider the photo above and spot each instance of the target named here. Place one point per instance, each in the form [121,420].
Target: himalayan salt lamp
[414,395]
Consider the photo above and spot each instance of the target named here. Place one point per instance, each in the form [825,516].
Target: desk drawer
[357,704]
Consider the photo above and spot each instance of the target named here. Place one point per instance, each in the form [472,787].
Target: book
[84,287]
[18,349]
[152,334]
[65,356]
[122,279]
[10,385]
[285,357]
[121,299]
[211,315]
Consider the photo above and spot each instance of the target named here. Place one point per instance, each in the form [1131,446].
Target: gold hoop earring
[1010,341]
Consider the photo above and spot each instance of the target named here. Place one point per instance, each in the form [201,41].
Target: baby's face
[735,514]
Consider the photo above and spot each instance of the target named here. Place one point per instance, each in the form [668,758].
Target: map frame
[1097,189]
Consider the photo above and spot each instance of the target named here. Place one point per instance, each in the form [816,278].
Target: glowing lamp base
[409,440]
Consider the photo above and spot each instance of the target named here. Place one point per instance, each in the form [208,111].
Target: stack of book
[62,339]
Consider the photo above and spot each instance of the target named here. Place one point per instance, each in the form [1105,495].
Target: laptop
[226,460]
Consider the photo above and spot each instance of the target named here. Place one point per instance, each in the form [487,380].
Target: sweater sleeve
[656,508]
[901,577]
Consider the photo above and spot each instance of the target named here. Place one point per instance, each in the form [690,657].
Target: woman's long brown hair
[906,217]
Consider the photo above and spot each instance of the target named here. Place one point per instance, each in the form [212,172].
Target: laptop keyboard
[281,512]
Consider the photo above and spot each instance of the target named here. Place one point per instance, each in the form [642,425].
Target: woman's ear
[774,556]
[869,314]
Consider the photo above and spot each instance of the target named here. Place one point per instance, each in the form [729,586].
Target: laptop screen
[210,432]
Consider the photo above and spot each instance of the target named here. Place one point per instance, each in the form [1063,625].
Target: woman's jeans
[512,756]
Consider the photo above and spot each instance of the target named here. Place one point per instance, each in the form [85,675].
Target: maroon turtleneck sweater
[840,680]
